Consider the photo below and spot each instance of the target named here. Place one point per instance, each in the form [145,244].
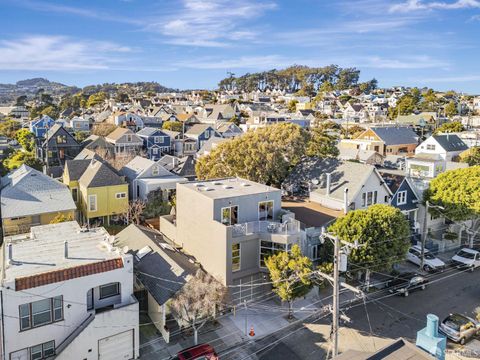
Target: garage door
[116,347]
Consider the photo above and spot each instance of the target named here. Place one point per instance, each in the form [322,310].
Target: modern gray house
[231,226]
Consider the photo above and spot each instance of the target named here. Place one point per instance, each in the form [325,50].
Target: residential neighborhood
[262,210]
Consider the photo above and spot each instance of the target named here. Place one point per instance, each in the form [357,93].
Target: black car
[405,283]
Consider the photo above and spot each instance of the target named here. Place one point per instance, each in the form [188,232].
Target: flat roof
[228,187]
[42,250]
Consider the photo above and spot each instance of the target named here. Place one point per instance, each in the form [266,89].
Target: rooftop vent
[199,185]
[218,183]
[166,246]
[245,184]
[208,189]
[226,187]
[143,251]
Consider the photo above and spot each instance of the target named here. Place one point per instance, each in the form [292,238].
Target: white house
[67,293]
[448,146]
[145,175]
[339,185]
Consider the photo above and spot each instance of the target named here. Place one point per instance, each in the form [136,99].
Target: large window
[236,257]
[61,139]
[121,195]
[430,147]
[269,248]
[230,215]
[401,197]
[42,351]
[92,202]
[265,210]
[369,198]
[41,312]
[109,290]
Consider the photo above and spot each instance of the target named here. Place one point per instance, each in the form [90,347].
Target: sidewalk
[265,316]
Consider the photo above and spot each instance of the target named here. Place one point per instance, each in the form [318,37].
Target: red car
[198,352]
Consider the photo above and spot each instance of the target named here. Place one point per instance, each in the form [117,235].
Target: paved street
[390,317]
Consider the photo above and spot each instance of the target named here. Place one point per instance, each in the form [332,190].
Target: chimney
[65,249]
[10,253]
[430,340]
[345,201]
[329,180]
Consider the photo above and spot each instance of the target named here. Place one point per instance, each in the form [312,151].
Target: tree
[121,97]
[96,99]
[26,139]
[235,119]
[59,218]
[457,191]
[451,109]
[381,229]
[265,155]
[450,127]
[50,111]
[292,105]
[290,274]
[156,205]
[198,301]
[103,129]
[173,126]
[9,128]
[21,100]
[80,136]
[21,157]
[321,144]
[352,131]
[133,213]
[472,156]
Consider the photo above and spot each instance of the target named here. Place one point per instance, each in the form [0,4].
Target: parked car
[405,283]
[467,258]
[198,352]
[430,262]
[460,328]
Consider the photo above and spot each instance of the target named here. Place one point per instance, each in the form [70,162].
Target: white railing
[290,227]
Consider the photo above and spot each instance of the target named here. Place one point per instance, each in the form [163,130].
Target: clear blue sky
[193,43]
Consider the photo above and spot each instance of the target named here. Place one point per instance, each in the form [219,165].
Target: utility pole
[347,246]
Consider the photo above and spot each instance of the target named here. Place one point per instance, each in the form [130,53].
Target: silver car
[460,328]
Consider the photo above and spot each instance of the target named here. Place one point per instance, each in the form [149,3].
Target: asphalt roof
[76,168]
[450,142]
[163,270]
[393,135]
[27,191]
[99,174]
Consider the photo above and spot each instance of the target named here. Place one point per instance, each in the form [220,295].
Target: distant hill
[30,87]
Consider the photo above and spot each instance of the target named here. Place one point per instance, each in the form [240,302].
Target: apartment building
[68,299]
[231,226]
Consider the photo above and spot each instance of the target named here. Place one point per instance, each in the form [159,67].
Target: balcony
[289,227]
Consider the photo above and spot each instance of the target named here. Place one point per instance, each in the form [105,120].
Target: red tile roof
[67,274]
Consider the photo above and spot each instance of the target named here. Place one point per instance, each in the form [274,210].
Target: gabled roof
[148,131]
[118,133]
[344,174]
[76,168]
[171,133]
[393,135]
[393,181]
[450,142]
[163,270]
[184,166]
[27,191]
[99,174]
[198,129]
[210,144]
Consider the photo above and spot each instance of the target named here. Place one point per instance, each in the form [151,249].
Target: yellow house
[30,198]
[99,192]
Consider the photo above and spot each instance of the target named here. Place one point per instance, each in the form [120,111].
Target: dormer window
[155,171]
[129,138]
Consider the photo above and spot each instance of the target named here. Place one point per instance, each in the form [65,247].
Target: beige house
[30,198]
[231,226]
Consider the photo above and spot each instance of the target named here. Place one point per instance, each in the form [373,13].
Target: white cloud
[58,53]
[412,62]
[210,23]
[417,5]
[450,79]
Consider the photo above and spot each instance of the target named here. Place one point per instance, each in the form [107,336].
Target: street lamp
[424,235]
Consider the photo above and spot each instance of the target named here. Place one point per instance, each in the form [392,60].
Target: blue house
[201,133]
[156,142]
[404,198]
[39,127]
